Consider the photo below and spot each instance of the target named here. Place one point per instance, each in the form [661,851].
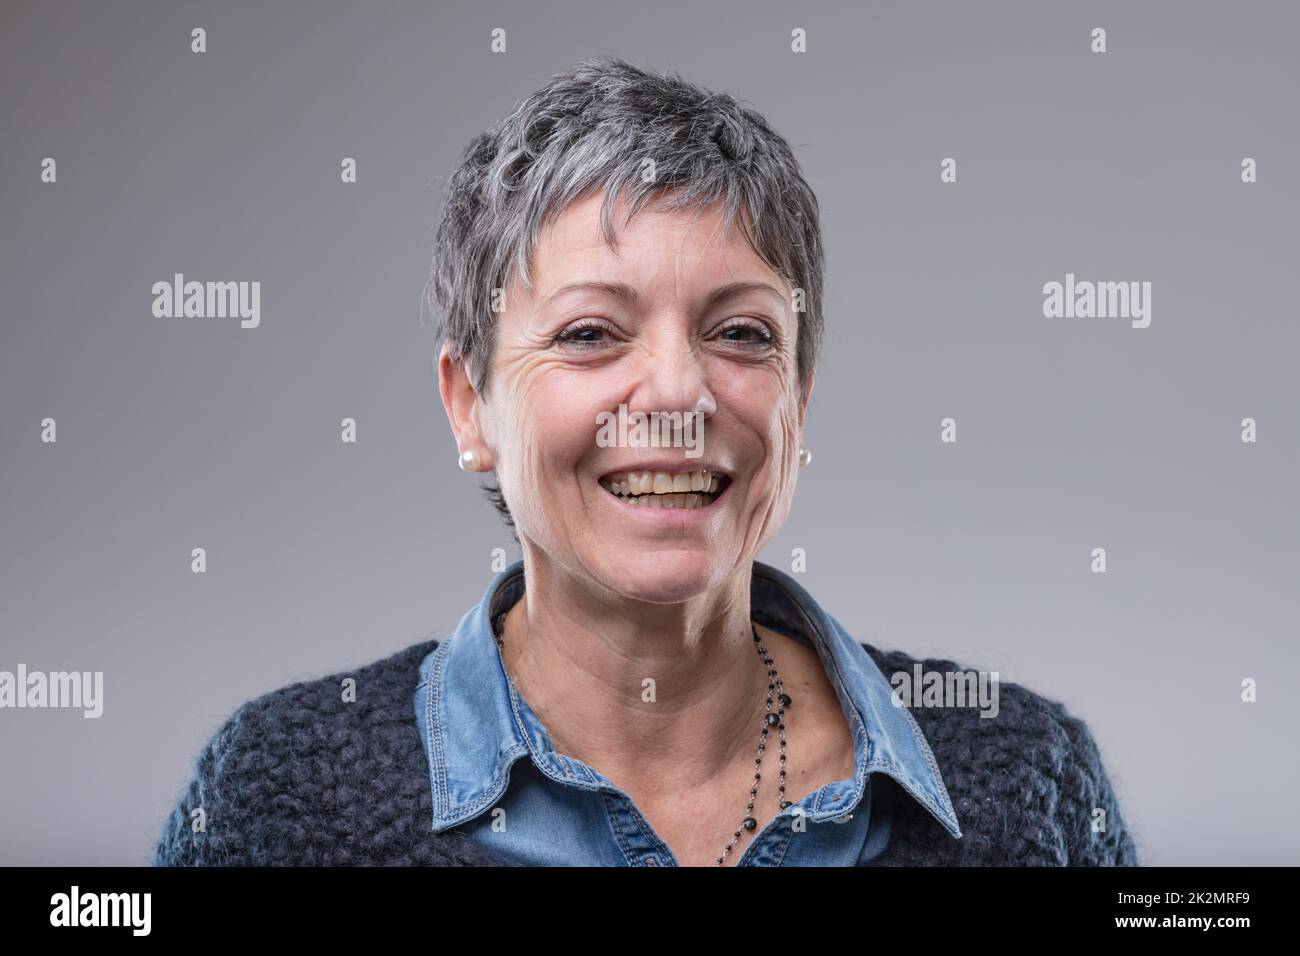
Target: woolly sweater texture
[301,777]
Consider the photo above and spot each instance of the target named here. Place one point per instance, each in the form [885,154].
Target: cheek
[781,443]
[564,427]
[545,435]
[764,409]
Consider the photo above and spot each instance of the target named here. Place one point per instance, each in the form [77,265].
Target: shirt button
[651,861]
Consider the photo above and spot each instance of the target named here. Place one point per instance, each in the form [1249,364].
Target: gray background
[1073,434]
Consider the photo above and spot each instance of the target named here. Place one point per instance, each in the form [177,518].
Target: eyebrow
[622,290]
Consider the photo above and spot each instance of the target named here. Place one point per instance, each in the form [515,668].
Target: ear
[461,403]
[803,402]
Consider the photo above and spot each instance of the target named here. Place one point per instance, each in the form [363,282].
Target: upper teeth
[660,482]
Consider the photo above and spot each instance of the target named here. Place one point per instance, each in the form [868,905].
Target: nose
[673,378]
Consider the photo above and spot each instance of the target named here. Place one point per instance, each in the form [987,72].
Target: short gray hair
[592,127]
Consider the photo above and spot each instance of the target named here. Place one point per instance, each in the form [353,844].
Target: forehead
[692,243]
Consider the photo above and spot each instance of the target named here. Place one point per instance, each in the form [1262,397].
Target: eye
[750,335]
[583,334]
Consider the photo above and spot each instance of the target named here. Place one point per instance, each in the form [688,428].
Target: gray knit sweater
[299,777]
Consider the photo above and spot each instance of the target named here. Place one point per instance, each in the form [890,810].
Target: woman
[638,690]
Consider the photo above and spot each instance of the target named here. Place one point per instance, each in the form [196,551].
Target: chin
[666,576]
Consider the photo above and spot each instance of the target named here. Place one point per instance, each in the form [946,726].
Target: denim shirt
[558,811]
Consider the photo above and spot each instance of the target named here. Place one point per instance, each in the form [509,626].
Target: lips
[682,489]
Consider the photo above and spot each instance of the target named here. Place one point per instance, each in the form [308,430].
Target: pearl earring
[805,457]
[469,460]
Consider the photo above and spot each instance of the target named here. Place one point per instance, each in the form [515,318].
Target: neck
[585,668]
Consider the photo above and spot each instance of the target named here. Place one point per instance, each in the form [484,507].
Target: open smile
[684,490]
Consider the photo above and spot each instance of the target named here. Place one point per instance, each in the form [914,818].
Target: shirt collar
[475,724]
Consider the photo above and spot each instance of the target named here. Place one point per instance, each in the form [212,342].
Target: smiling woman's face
[665,343]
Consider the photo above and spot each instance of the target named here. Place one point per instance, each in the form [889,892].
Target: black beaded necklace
[770,719]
